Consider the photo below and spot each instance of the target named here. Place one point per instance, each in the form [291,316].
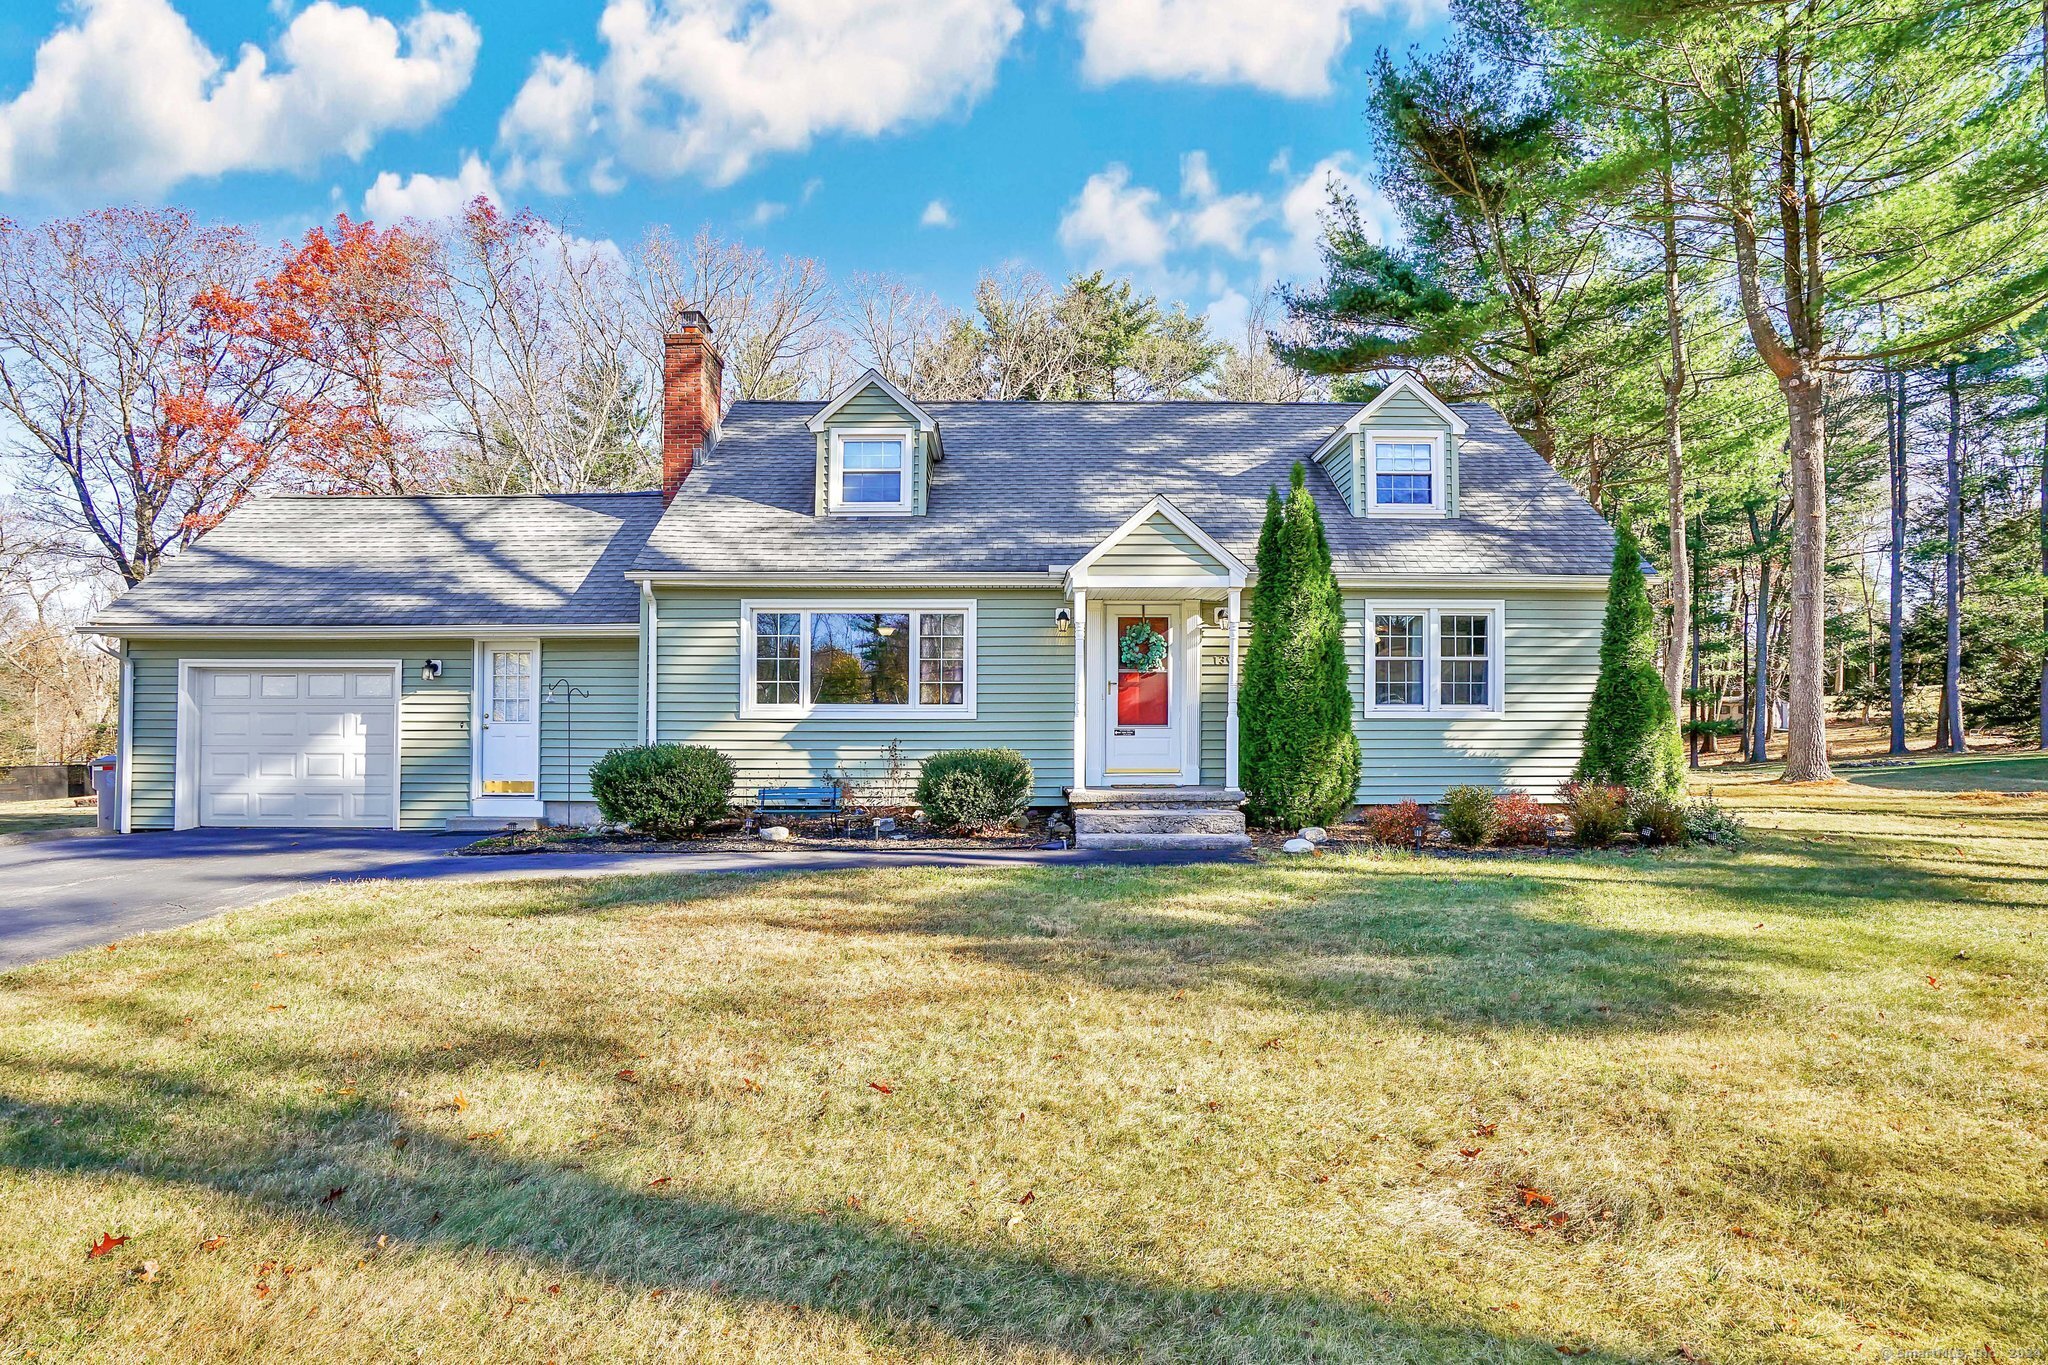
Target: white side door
[508,727]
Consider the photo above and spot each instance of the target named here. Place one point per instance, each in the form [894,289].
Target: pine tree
[1631,731]
[1298,754]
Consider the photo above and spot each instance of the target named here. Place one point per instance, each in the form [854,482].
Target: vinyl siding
[1553,658]
[433,722]
[1215,694]
[1338,464]
[609,670]
[1406,412]
[873,408]
[1156,548]
[1025,693]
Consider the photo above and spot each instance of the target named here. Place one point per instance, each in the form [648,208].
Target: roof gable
[872,379]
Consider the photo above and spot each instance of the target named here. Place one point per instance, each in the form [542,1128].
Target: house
[816,581]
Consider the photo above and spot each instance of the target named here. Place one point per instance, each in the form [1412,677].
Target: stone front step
[491,824]
[1157,820]
[1158,817]
[1192,842]
[1080,797]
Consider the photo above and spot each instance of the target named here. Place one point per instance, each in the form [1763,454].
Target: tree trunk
[1760,678]
[1693,705]
[1895,408]
[1952,563]
[2044,473]
[1674,444]
[1806,730]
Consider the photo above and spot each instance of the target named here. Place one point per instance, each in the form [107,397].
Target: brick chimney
[692,376]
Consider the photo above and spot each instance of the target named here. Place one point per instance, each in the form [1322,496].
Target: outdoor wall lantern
[1063,620]
[1223,616]
[430,671]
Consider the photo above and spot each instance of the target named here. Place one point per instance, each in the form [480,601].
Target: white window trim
[835,501]
[1438,476]
[1432,657]
[805,710]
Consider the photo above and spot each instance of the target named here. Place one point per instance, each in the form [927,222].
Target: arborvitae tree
[1298,754]
[1631,732]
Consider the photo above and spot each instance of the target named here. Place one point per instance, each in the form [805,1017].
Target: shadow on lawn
[442,1195]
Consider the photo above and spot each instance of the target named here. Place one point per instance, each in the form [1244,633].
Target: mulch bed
[1353,838]
[730,836]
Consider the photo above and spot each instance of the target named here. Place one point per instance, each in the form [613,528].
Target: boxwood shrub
[663,789]
[974,788]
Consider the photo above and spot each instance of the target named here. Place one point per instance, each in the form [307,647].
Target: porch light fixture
[430,671]
[1063,620]
[1223,616]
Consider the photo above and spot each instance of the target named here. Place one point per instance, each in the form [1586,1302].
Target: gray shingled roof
[425,561]
[1027,485]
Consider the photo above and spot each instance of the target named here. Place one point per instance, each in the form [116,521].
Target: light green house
[837,590]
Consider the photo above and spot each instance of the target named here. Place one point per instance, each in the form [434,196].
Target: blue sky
[1182,142]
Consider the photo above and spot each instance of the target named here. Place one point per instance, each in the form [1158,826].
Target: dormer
[876,448]
[1398,455]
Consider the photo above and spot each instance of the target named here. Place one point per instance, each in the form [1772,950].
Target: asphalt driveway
[62,893]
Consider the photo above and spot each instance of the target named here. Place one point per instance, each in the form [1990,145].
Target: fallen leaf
[1934,981]
[1029,1195]
[627,1074]
[1468,1152]
[657,1182]
[334,1194]
[107,1242]
[656,1293]
[400,1141]
[146,1272]
[877,1085]
[1534,1198]
[213,1243]
[554,1289]
[1485,1130]
[262,1290]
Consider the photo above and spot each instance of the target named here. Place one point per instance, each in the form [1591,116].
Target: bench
[800,802]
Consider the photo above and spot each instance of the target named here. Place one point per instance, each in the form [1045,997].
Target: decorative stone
[1298,846]
[775,834]
[1315,834]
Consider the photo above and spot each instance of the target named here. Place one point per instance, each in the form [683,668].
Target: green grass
[36,817]
[1300,1111]
[1960,773]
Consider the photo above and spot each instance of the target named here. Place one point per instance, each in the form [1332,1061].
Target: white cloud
[1232,247]
[936,215]
[430,197]
[1286,46]
[548,122]
[766,212]
[125,98]
[708,87]
[1114,223]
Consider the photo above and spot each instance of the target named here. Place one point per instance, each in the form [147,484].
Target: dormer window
[870,472]
[1405,473]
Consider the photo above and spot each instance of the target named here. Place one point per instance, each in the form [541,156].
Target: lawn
[1960,773]
[35,817]
[1789,1104]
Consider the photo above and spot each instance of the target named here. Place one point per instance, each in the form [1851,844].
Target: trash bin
[106,785]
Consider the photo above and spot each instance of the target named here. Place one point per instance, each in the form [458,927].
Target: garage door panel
[312,748]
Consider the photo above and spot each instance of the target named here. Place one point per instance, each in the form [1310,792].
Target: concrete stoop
[1158,817]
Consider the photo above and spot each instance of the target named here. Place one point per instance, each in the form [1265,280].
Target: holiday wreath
[1142,648]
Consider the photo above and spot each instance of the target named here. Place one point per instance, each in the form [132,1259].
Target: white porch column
[1230,696]
[1080,687]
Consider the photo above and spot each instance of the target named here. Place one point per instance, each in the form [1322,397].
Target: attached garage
[289,745]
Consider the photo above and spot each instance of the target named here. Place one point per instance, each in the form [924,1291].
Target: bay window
[857,659]
[1444,660]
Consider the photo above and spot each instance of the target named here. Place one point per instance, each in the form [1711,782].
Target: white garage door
[311,748]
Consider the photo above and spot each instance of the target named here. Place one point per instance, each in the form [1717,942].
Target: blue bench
[799,802]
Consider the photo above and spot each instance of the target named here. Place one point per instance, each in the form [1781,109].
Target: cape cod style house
[816,582]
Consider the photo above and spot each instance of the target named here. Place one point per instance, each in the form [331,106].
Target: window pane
[778,658]
[1464,651]
[1403,473]
[942,658]
[871,471]
[1397,659]
[860,658]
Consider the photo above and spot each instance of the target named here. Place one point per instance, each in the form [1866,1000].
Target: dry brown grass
[1783,1105]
